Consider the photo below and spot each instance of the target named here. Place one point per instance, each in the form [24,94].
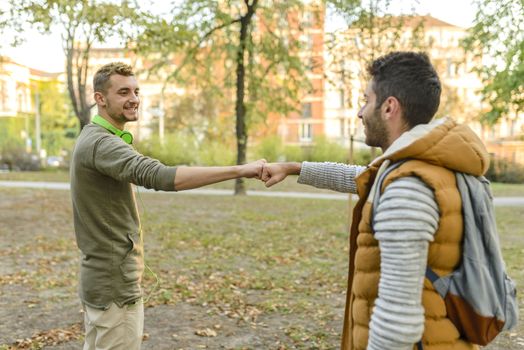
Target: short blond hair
[102,75]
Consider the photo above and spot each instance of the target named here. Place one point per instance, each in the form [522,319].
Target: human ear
[100,99]
[391,106]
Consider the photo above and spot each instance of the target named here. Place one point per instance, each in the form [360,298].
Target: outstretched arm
[275,172]
[333,176]
[187,177]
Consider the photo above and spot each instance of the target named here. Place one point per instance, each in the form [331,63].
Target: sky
[45,52]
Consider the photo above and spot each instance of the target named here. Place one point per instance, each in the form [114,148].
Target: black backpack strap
[378,188]
[431,275]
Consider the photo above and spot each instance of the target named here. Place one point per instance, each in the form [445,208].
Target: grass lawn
[270,272]
[290,184]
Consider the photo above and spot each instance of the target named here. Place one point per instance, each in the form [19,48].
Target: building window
[309,42]
[3,95]
[343,127]
[513,128]
[307,110]
[308,19]
[20,102]
[305,132]
[449,67]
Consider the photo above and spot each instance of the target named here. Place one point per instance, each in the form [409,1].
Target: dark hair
[102,75]
[412,80]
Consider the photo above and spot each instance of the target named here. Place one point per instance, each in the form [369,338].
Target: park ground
[224,272]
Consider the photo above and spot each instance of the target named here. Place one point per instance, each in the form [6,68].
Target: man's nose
[135,98]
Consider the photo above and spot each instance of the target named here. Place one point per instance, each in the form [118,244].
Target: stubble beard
[120,116]
[376,131]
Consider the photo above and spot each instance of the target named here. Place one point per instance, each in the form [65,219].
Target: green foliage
[203,36]
[497,43]
[80,24]
[13,153]
[182,148]
[216,153]
[504,171]
[84,20]
[11,130]
[323,150]
[178,149]
[57,127]
[58,124]
[372,32]
[294,153]
[197,113]
[270,148]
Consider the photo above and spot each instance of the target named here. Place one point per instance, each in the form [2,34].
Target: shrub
[362,156]
[327,151]
[216,153]
[503,170]
[178,149]
[323,150]
[19,161]
[271,149]
[294,154]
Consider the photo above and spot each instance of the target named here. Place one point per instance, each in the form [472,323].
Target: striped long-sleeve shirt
[406,219]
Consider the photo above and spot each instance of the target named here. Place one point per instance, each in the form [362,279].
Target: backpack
[480,298]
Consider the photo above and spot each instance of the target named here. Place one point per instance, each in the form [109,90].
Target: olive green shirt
[106,221]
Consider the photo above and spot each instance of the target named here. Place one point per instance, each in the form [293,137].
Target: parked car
[55,161]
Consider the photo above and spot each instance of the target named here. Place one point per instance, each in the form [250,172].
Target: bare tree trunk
[70,53]
[240,107]
[77,61]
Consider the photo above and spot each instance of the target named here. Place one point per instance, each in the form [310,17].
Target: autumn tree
[246,49]
[81,23]
[368,31]
[58,124]
[497,40]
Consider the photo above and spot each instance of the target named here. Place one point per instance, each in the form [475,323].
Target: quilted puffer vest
[443,257]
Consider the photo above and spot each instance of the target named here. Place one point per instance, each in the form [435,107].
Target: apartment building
[15,88]
[461,98]
[300,128]
[354,48]
[18,88]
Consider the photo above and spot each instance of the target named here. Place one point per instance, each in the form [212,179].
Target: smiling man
[418,219]
[107,226]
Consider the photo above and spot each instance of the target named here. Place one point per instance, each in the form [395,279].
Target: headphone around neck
[124,135]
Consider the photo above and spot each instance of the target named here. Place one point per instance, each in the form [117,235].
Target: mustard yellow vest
[443,257]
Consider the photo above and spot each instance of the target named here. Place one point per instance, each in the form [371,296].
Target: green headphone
[124,135]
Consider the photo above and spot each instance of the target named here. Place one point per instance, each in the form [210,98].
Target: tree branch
[193,50]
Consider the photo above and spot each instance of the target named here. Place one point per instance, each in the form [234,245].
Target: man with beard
[418,222]
[107,226]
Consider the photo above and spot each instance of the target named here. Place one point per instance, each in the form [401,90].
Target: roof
[41,73]
[427,20]
[32,71]
[412,21]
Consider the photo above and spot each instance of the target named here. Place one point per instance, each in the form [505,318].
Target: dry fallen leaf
[207,332]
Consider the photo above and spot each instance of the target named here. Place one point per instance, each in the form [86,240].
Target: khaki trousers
[115,328]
